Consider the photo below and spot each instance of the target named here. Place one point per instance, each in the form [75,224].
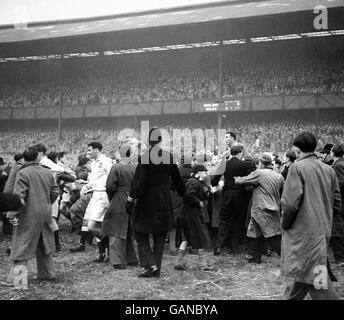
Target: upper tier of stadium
[216,21]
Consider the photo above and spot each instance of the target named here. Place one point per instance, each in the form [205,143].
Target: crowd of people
[169,77]
[144,196]
[257,137]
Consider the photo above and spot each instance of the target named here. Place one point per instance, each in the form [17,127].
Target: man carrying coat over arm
[309,200]
[152,213]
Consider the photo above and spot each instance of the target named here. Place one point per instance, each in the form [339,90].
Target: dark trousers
[148,255]
[338,248]
[232,220]
[123,251]
[258,245]
[298,291]
[7,227]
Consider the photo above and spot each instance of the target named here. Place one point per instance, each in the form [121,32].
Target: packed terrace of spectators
[256,137]
[168,76]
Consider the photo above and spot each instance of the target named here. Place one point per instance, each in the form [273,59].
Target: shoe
[217,251]
[132,264]
[107,258]
[79,248]
[181,266]
[58,249]
[100,258]
[53,279]
[254,260]
[150,272]
[119,266]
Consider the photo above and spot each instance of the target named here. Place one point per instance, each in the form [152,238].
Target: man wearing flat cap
[265,210]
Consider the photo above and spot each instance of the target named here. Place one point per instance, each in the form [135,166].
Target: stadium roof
[225,20]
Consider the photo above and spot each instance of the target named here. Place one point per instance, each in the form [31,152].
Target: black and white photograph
[174,155]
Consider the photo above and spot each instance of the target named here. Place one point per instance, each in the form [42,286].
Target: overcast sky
[13,11]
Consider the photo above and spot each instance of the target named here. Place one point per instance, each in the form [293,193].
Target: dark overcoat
[185,171]
[338,219]
[192,215]
[233,195]
[151,188]
[118,185]
[37,187]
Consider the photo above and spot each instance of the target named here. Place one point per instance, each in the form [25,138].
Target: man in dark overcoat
[117,223]
[233,213]
[155,176]
[33,235]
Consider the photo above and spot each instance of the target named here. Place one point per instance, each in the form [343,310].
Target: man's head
[290,156]
[200,171]
[337,151]
[85,162]
[305,142]
[31,154]
[18,157]
[53,156]
[230,138]
[265,160]
[278,166]
[62,156]
[41,149]
[325,152]
[94,149]
[237,151]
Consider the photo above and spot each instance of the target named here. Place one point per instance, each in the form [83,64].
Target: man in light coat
[310,198]
[33,235]
[265,210]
